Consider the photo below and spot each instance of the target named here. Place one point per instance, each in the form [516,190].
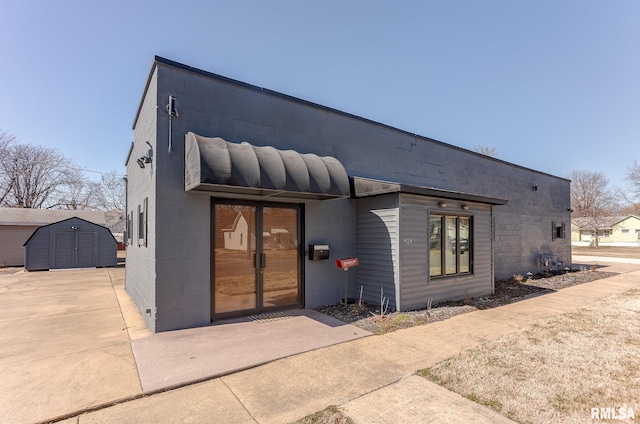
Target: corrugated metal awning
[365,187]
[213,164]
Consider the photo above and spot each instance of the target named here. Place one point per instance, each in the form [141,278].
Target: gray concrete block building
[239,200]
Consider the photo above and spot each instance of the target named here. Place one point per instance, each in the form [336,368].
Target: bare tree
[35,175]
[6,180]
[592,199]
[78,193]
[486,150]
[40,177]
[631,209]
[633,176]
[113,191]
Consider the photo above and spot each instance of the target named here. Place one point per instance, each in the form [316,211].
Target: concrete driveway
[64,344]
[74,341]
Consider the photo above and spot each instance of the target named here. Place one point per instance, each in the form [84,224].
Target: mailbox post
[345,264]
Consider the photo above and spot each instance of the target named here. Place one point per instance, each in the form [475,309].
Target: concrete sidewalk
[66,351]
[371,379]
[175,358]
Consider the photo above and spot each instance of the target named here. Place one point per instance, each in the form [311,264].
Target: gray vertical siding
[57,245]
[416,286]
[378,248]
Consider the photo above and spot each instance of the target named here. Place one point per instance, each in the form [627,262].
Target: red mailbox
[346,263]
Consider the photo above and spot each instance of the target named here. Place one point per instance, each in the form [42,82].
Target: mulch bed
[368,316]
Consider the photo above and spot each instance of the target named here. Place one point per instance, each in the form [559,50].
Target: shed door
[63,249]
[86,246]
[74,249]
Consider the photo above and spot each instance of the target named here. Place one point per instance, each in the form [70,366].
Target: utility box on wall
[318,252]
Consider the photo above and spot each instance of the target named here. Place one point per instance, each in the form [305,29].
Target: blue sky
[552,85]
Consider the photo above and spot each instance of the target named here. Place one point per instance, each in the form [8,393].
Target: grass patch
[558,370]
[426,373]
[608,251]
[330,415]
[492,404]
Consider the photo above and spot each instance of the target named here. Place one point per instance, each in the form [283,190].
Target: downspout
[398,254]
[493,240]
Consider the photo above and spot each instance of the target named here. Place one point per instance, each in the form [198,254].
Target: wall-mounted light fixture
[442,205]
[148,158]
[534,187]
[464,207]
[74,228]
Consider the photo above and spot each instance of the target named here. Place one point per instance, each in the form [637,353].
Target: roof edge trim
[366,187]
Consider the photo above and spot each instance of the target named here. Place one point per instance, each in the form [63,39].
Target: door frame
[259,242]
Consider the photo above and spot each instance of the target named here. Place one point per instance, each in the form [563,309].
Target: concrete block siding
[177,255]
[141,277]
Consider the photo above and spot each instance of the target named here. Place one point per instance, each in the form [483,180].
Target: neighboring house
[235,238]
[427,220]
[70,243]
[619,230]
[17,225]
[116,223]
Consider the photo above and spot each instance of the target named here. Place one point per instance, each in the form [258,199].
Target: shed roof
[73,219]
[38,217]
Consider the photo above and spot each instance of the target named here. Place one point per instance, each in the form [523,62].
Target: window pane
[140,223]
[280,241]
[450,261]
[435,245]
[464,243]
[235,246]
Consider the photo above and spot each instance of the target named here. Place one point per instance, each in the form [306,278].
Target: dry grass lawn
[331,415]
[558,370]
[608,251]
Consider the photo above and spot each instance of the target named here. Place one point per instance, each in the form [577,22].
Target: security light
[146,158]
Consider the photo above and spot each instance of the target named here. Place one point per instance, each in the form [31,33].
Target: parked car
[463,243]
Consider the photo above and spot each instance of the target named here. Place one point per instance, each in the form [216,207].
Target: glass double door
[256,258]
